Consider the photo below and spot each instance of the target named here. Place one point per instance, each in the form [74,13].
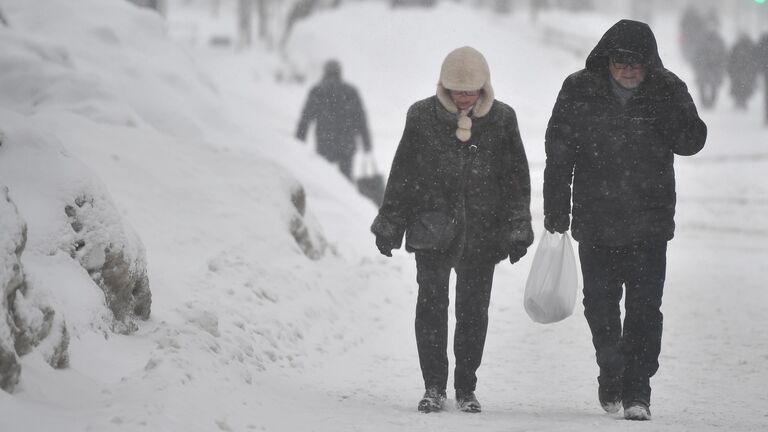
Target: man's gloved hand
[517,252]
[385,246]
[557,223]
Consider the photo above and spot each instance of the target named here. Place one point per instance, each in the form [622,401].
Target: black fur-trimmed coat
[619,158]
[483,184]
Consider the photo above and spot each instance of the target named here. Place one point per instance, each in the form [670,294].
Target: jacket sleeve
[308,114]
[560,146]
[398,205]
[517,188]
[688,132]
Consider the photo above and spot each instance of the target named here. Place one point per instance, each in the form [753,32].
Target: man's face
[629,75]
[464,99]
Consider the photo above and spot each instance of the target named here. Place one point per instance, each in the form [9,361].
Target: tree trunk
[263,13]
[245,34]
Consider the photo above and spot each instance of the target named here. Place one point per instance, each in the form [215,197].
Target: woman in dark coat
[459,189]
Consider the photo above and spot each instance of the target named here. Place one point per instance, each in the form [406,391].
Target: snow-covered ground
[247,333]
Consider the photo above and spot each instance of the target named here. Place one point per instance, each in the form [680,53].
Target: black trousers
[629,353]
[473,295]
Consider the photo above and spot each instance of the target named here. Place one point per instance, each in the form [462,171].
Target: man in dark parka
[613,134]
[340,119]
[459,189]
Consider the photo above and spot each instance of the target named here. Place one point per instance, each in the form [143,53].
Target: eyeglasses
[465,93]
[630,66]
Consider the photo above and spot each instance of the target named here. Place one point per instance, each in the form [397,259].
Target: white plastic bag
[550,292]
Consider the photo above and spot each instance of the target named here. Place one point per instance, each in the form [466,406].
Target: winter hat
[621,55]
[332,69]
[465,69]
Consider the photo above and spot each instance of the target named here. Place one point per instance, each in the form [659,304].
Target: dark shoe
[637,410]
[432,401]
[609,393]
[467,401]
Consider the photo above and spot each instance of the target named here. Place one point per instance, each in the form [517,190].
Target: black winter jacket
[620,158]
[483,184]
[338,110]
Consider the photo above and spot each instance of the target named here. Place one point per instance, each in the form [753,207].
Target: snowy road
[537,377]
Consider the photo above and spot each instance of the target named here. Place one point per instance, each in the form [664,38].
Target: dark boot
[467,401]
[432,401]
[609,393]
[637,410]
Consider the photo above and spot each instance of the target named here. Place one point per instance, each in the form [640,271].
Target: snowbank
[12,238]
[107,120]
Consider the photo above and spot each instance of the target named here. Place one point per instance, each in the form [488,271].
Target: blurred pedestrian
[709,64]
[763,54]
[336,108]
[743,69]
[614,132]
[691,26]
[460,190]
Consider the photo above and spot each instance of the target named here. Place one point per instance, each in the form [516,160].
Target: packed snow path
[248,334]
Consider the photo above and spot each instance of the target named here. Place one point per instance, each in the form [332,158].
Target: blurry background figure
[337,110]
[709,58]
[691,28]
[743,68]
[704,48]
[762,49]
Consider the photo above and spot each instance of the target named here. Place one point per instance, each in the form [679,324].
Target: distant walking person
[692,23]
[763,54]
[614,133]
[340,119]
[709,65]
[460,190]
[743,69]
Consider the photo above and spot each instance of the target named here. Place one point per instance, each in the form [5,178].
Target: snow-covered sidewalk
[247,333]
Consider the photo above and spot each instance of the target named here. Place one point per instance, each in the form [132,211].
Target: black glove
[517,252]
[557,222]
[385,246]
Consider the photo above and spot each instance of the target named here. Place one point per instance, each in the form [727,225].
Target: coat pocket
[432,231]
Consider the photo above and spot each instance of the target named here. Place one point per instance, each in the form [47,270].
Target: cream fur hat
[465,69]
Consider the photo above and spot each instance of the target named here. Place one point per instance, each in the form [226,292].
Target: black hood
[626,35]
